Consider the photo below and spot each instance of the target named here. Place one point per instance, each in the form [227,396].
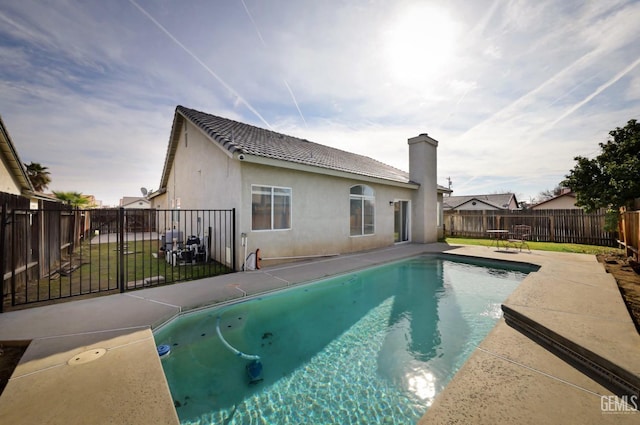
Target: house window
[361,210]
[270,208]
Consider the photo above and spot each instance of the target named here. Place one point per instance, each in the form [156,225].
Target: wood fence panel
[11,236]
[629,229]
[563,226]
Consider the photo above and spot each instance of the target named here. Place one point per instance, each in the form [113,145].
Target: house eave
[18,172]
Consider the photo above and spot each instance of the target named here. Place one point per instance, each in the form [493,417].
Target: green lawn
[94,268]
[545,246]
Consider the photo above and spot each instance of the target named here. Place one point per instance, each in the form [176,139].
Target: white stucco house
[495,201]
[564,201]
[296,198]
[135,202]
[13,175]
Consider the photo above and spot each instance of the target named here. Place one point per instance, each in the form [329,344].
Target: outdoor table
[498,235]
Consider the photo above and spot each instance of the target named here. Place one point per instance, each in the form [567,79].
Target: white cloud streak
[599,90]
[523,88]
[295,102]
[253,22]
[264,44]
[211,72]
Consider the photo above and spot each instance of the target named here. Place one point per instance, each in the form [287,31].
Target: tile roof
[498,200]
[238,137]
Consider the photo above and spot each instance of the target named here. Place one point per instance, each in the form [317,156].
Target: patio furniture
[519,235]
[498,236]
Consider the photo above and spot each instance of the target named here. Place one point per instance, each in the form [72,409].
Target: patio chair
[519,235]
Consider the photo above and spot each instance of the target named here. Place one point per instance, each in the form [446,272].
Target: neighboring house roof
[128,200]
[542,205]
[47,197]
[443,189]
[239,138]
[500,201]
[13,162]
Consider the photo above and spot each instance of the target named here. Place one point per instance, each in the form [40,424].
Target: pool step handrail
[230,347]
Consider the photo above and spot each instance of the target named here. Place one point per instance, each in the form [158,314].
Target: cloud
[522,88]
[494,52]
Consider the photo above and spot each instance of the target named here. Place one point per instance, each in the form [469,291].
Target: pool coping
[565,352]
[121,325]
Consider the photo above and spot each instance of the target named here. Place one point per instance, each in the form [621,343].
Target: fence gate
[53,253]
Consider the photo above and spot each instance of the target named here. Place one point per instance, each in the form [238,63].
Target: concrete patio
[95,360]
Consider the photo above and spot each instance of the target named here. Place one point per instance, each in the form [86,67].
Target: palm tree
[38,175]
[75,199]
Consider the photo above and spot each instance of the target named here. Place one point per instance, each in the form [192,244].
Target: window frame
[258,189]
[367,201]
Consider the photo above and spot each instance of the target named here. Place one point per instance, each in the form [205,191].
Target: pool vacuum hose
[254,369]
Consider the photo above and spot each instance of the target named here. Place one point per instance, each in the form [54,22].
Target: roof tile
[244,138]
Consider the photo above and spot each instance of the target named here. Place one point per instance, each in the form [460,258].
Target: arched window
[362,210]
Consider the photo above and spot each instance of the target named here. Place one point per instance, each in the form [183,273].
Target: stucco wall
[139,204]
[479,205]
[560,203]
[7,183]
[203,176]
[423,166]
[320,213]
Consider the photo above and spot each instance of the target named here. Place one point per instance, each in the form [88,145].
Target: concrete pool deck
[95,360]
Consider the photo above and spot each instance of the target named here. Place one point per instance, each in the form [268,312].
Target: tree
[75,199]
[550,193]
[38,175]
[609,180]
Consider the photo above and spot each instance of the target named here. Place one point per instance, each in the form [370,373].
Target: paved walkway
[94,361]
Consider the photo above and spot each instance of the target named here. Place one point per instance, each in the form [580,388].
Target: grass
[545,246]
[94,268]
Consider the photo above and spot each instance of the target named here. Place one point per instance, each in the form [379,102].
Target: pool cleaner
[254,369]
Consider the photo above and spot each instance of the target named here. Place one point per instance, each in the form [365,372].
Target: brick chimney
[423,169]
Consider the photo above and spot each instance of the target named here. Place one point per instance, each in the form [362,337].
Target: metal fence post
[233,238]
[121,250]
[3,253]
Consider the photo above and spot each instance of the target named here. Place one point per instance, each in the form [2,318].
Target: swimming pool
[372,347]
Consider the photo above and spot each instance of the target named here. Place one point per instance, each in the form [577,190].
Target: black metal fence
[54,253]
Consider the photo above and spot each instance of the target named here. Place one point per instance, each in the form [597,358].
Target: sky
[512,90]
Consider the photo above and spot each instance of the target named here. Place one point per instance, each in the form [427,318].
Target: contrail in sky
[255,26]
[295,102]
[455,107]
[599,90]
[204,65]
[525,98]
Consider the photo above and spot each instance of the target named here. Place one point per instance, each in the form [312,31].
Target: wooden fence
[629,230]
[33,243]
[564,226]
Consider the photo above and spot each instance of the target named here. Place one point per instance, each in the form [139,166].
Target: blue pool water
[371,347]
